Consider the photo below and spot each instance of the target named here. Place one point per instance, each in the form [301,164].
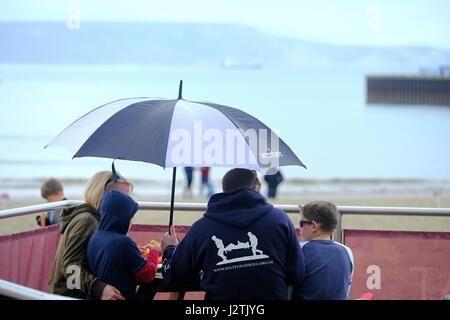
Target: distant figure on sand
[273,180]
[205,182]
[188,188]
[51,190]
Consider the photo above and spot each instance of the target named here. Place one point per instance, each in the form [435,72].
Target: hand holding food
[144,250]
[149,246]
[154,245]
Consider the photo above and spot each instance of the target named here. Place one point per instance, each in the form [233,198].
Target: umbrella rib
[84,115]
[141,128]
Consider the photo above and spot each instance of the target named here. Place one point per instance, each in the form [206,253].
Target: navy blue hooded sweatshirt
[112,256]
[242,248]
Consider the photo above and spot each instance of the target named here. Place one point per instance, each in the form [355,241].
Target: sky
[343,22]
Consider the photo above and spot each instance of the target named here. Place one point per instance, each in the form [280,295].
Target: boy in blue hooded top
[242,248]
[329,264]
[112,256]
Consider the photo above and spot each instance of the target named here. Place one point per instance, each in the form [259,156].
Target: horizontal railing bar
[19,292]
[413,211]
[291,208]
[9,213]
[182,206]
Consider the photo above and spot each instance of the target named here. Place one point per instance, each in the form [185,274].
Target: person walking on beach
[112,256]
[329,264]
[51,190]
[273,180]
[70,276]
[205,182]
[229,217]
[189,171]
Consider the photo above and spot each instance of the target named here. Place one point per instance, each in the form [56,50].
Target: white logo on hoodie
[251,244]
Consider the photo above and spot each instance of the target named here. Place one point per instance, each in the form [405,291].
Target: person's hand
[111,293]
[169,238]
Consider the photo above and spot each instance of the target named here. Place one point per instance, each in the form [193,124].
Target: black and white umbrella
[176,133]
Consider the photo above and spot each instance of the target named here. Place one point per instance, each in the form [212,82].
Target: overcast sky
[363,22]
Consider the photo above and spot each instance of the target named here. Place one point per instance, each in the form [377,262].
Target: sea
[320,112]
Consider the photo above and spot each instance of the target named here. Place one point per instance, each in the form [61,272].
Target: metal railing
[22,211]
[288,208]
[18,292]
[184,206]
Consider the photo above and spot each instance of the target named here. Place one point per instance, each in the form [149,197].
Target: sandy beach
[377,193]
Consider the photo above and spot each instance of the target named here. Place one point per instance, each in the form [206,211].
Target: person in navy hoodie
[329,264]
[112,256]
[242,247]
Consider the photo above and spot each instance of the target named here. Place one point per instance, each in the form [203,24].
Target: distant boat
[230,63]
[425,88]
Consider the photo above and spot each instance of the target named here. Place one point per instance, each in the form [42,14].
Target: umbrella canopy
[176,133]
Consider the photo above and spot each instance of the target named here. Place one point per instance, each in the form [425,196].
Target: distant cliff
[189,44]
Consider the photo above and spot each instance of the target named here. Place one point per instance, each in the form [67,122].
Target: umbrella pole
[172,197]
[174,175]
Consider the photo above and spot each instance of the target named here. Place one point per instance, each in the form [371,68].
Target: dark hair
[238,178]
[323,212]
[51,187]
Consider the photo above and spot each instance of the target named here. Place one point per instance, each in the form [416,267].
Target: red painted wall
[400,264]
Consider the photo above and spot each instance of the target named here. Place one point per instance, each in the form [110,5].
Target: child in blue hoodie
[112,256]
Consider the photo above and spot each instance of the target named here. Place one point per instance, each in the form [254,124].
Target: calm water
[320,113]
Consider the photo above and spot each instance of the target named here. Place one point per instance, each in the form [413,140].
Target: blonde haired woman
[70,276]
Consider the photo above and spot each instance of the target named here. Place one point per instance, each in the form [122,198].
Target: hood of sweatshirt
[116,211]
[240,208]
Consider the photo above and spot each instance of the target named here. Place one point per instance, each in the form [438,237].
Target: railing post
[338,233]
